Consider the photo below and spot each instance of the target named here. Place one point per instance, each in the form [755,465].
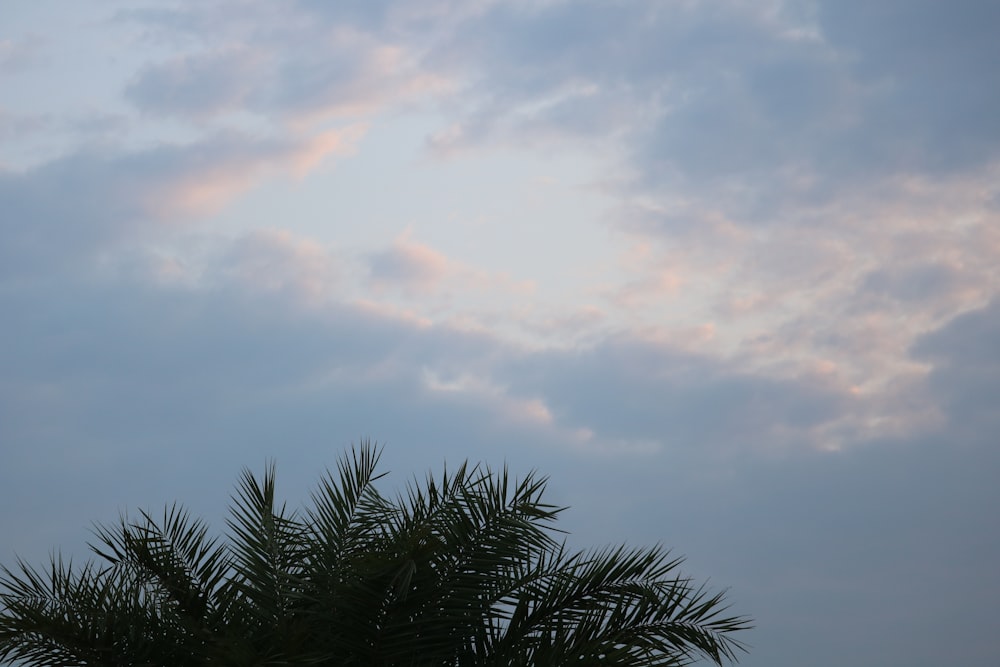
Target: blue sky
[726,271]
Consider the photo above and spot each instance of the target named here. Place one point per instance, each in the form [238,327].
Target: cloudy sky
[727,270]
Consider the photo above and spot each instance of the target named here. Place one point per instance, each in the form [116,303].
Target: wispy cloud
[90,201]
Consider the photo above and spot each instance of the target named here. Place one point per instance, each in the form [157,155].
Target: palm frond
[462,569]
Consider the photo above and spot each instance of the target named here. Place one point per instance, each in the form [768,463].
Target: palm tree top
[465,568]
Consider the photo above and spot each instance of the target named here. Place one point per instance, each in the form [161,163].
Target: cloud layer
[725,270]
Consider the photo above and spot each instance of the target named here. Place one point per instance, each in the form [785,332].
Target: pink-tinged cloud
[410,265]
[389,312]
[658,285]
[72,210]
[411,269]
[275,260]
[321,146]
[577,327]
[205,177]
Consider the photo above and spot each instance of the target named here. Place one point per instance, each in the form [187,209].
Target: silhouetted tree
[460,570]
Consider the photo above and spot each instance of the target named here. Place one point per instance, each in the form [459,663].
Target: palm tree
[461,570]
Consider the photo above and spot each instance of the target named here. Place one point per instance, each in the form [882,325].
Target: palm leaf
[460,569]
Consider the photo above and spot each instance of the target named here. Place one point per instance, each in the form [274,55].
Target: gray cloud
[65,211]
[934,104]
[15,125]
[370,15]
[763,110]
[409,265]
[114,394]
[762,113]
[704,96]
[199,85]
[21,54]
[965,378]
[281,65]
[918,282]
[630,390]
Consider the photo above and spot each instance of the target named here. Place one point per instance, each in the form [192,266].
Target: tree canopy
[465,568]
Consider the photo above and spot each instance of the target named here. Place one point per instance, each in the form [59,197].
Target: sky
[727,271]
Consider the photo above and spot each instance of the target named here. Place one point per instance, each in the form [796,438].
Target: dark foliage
[464,569]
